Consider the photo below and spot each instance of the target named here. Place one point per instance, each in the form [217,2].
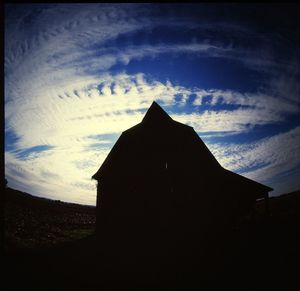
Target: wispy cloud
[262,160]
[60,93]
[67,120]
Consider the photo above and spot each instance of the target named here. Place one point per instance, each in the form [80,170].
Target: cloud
[63,174]
[67,121]
[262,160]
[237,121]
[61,115]
[60,92]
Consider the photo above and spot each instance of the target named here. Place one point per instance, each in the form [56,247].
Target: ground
[37,223]
[51,245]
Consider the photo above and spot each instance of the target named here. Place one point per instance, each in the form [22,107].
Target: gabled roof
[157,131]
[156,115]
[236,177]
[158,134]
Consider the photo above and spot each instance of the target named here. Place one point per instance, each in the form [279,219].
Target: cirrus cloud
[66,103]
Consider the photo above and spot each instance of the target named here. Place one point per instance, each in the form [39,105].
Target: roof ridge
[156,114]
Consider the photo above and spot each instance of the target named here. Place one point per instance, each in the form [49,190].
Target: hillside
[33,222]
[50,245]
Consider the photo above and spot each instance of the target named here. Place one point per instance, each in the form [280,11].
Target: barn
[160,182]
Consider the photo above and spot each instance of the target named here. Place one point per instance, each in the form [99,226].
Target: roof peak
[155,114]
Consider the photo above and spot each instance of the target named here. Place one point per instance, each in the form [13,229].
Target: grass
[50,246]
[36,223]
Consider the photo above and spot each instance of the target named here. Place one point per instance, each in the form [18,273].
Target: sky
[77,75]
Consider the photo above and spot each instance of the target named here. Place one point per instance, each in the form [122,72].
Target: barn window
[166,165]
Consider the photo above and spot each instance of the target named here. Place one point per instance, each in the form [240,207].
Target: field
[37,223]
[51,245]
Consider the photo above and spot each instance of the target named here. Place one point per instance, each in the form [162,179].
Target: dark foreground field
[51,246]
[39,223]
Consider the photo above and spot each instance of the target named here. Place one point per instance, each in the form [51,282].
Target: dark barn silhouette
[161,191]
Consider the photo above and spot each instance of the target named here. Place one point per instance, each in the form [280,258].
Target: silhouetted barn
[160,181]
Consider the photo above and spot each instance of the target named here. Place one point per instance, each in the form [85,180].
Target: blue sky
[77,75]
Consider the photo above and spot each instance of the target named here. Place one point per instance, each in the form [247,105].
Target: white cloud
[239,120]
[67,123]
[262,160]
[57,173]
[59,92]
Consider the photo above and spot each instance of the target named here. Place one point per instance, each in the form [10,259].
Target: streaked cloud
[67,104]
[264,159]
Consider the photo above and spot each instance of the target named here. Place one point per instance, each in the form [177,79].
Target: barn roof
[158,134]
